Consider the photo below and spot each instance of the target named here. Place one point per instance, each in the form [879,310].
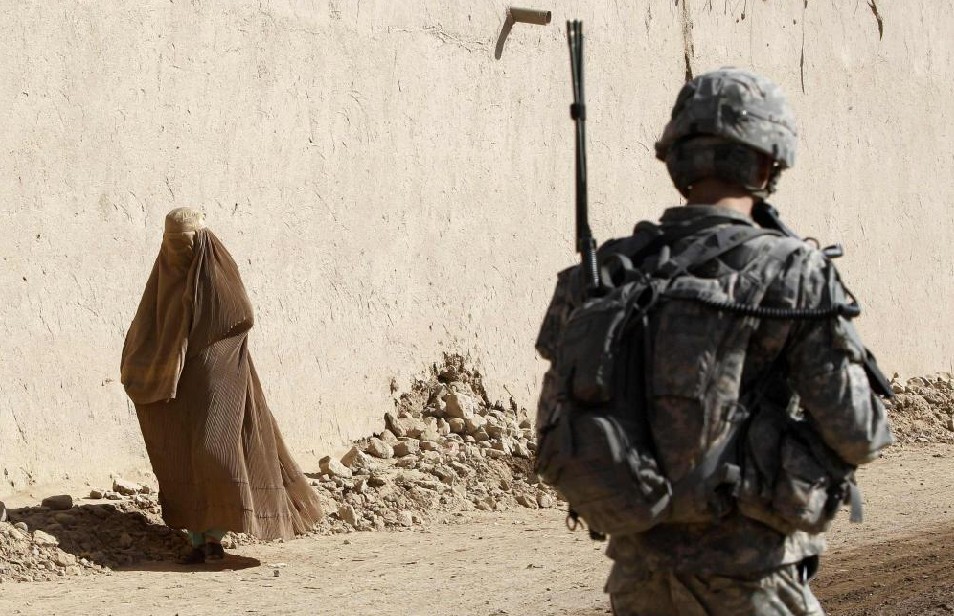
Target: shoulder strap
[709,247]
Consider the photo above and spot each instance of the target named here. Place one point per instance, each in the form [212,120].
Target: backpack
[662,337]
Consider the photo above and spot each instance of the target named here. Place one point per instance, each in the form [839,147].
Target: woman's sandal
[214,551]
[195,557]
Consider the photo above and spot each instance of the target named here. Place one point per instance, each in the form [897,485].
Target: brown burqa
[214,445]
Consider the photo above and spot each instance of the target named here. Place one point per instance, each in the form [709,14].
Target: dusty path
[524,562]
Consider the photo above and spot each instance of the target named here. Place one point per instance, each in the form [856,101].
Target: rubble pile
[446,448]
[923,409]
[58,539]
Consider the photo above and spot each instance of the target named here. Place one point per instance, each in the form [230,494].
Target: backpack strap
[709,247]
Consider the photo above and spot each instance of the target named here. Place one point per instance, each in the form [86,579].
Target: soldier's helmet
[727,106]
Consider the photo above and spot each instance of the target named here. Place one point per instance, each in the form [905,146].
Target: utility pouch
[791,480]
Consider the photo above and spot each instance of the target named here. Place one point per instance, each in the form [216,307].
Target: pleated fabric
[214,445]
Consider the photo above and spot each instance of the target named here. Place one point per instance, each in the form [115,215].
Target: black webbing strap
[709,247]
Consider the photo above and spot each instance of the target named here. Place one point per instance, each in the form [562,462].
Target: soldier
[730,136]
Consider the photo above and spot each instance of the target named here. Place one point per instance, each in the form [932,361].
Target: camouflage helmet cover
[736,105]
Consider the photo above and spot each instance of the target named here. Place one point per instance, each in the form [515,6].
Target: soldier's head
[729,125]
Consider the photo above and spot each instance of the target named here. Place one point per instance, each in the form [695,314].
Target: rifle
[767,217]
[585,242]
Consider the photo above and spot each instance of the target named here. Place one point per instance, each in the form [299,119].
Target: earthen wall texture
[392,191]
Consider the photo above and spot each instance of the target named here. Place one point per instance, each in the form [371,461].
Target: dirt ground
[523,562]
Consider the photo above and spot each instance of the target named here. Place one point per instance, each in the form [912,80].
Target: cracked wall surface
[391,191]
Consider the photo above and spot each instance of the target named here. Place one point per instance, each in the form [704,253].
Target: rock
[406,448]
[460,406]
[64,518]
[334,468]
[127,488]
[405,518]
[480,435]
[407,462]
[544,500]
[346,514]
[380,449]
[64,559]
[22,526]
[97,494]
[377,481]
[526,501]
[388,437]
[59,502]
[356,459]
[125,540]
[950,424]
[44,539]
[110,495]
[496,454]
[457,425]
[3,512]
[395,425]
[521,450]
[144,489]
[443,428]
[430,446]
[430,434]
[525,424]
[473,424]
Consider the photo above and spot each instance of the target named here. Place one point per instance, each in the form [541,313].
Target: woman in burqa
[214,445]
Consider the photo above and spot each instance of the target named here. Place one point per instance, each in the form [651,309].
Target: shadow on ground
[903,575]
[231,562]
[111,535]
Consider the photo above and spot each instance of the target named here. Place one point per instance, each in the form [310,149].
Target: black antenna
[585,243]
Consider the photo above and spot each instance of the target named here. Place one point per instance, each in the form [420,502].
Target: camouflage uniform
[738,565]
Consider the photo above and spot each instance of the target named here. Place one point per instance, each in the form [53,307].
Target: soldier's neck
[722,194]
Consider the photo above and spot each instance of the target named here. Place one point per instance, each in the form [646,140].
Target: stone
[127,488]
[521,450]
[460,405]
[496,454]
[22,526]
[430,446]
[60,502]
[405,518]
[525,423]
[110,495]
[44,539]
[406,448]
[64,559]
[473,424]
[3,512]
[334,468]
[97,494]
[395,425]
[457,425]
[526,501]
[544,500]
[377,481]
[380,449]
[346,514]
[495,430]
[356,459]
[443,428]
[480,435]
[407,462]
[430,434]
[388,437]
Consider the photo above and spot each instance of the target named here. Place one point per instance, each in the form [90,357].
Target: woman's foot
[195,557]
[214,551]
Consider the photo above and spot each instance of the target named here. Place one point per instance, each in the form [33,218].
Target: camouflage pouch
[595,448]
[791,480]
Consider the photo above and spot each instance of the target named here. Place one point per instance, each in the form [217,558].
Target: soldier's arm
[826,370]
